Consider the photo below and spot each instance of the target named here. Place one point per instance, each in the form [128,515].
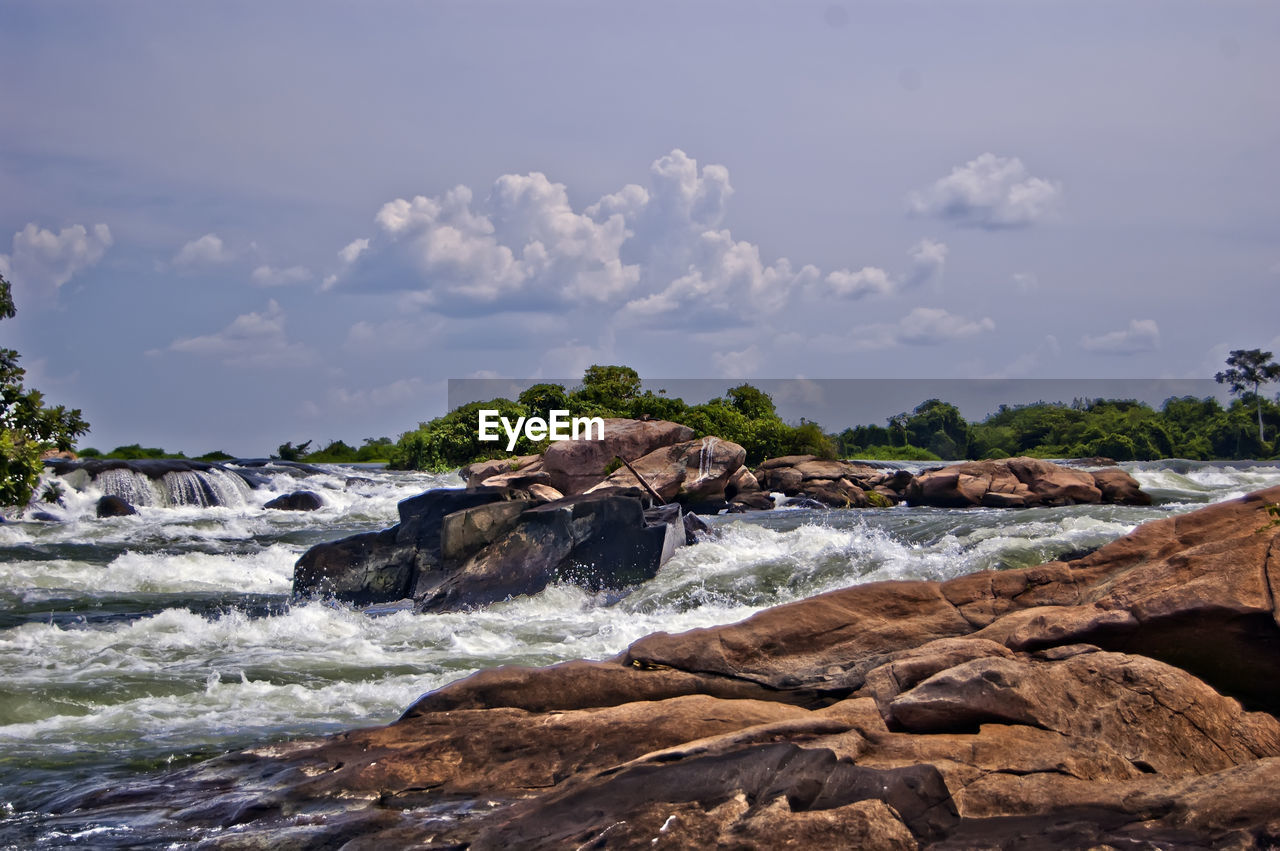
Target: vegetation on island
[1119,429]
[28,427]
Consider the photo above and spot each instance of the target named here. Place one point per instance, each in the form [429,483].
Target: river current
[133,645]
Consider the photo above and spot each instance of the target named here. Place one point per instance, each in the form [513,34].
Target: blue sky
[230,225]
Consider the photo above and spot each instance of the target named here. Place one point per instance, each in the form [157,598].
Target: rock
[594,540]
[464,533]
[456,549]
[1012,483]
[836,484]
[692,471]
[113,506]
[476,474]
[544,493]
[519,480]
[576,465]
[1119,488]
[381,567]
[297,501]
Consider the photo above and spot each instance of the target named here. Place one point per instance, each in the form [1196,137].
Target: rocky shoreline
[1127,698]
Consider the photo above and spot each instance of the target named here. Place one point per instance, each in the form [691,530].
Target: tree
[28,429]
[610,387]
[1249,368]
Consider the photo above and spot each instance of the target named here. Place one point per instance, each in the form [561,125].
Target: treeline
[373,450]
[744,415]
[1124,430]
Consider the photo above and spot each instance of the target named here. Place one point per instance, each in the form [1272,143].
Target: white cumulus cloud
[989,192]
[869,280]
[41,261]
[255,339]
[1141,335]
[208,250]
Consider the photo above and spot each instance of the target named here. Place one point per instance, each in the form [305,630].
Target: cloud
[726,281]
[923,326]
[42,261]
[208,250]
[988,192]
[1142,335]
[251,340]
[931,326]
[869,280]
[269,276]
[520,245]
[928,258]
[658,252]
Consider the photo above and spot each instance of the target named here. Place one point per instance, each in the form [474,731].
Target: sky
[238,224]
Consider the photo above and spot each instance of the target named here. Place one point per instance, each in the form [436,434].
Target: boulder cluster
[709,475]
[1124,699]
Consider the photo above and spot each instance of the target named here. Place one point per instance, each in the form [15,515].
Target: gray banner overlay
[838,403]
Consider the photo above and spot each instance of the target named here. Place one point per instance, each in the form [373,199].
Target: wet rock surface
[1123,699]
[458,549]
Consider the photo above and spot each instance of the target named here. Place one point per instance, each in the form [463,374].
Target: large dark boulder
[297,501]
[455,549]
[114,506]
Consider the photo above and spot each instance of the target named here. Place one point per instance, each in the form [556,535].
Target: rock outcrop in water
[1124,699]
[709,473]
[456,549]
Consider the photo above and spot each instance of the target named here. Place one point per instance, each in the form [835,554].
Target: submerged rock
[114,506]
[297,501]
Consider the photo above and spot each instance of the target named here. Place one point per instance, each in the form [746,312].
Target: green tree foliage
[453,440]
[1121,429]
[28,427]
[1247,370]
[744,415]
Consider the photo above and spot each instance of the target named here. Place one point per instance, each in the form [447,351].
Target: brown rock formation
[1021,483]
[575,465]
[840,484]
[688,471]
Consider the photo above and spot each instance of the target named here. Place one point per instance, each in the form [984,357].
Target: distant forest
[1119,429]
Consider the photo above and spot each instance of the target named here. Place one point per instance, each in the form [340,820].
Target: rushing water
[130,645]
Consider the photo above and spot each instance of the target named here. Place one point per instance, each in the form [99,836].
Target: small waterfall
[131,486]
[706,457]
[204,488]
